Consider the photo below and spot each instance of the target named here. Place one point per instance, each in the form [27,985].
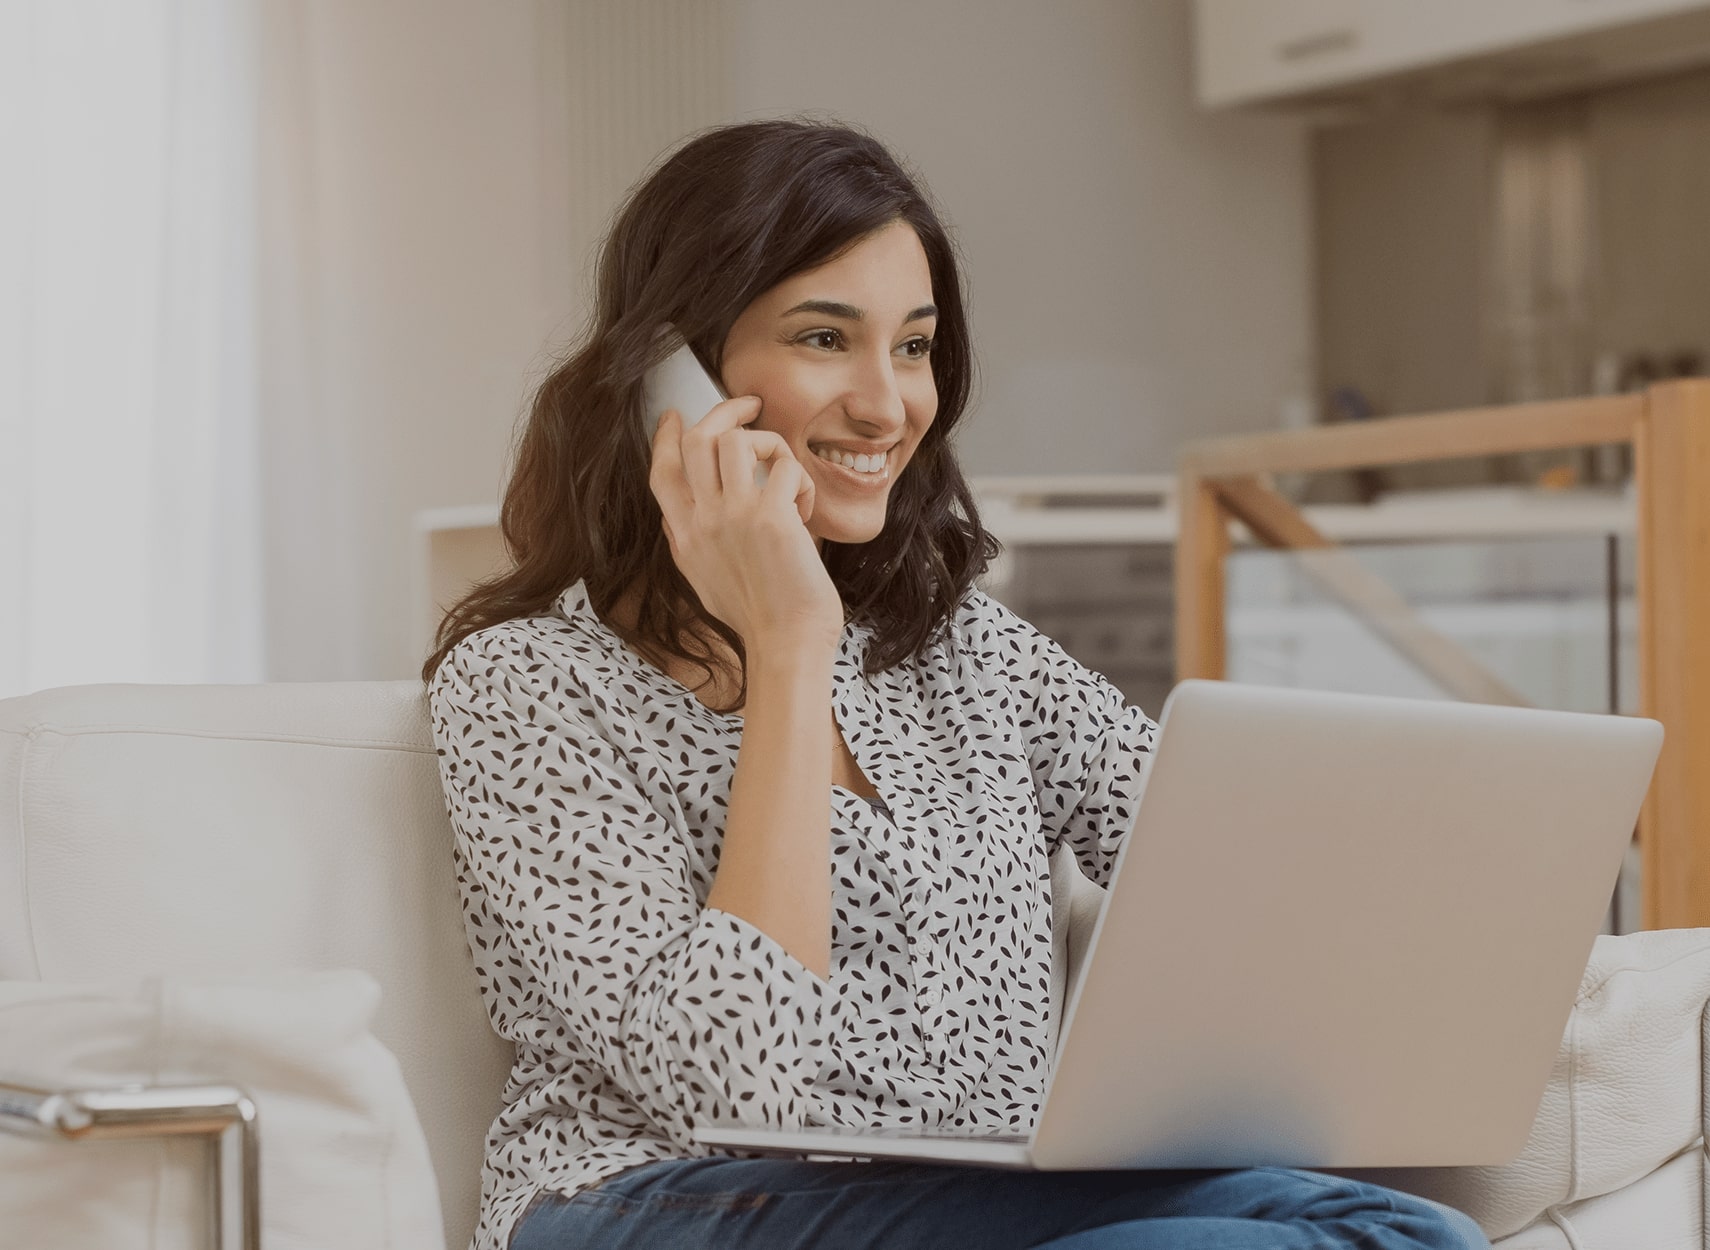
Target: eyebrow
[848,312]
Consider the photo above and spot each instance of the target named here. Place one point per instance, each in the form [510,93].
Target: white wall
[1139,272]
[417,274]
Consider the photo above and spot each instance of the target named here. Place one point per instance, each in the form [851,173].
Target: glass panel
[1543,615]
[1554,618]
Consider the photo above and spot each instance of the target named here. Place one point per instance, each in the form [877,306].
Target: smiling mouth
[868,466]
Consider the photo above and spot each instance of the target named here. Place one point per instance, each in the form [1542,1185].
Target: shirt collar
[574,605]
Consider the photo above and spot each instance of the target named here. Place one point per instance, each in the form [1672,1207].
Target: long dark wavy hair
[727,216]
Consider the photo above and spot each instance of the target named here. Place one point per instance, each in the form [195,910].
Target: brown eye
[824,339]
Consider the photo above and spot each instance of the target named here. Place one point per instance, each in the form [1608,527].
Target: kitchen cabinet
[1319,51]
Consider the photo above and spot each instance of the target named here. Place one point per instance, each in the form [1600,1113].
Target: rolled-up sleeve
[1088,750]
[698,1015]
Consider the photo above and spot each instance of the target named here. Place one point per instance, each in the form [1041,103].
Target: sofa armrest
[1625,1101]
[222,1113]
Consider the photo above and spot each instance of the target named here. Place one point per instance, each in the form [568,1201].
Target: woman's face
[839,358]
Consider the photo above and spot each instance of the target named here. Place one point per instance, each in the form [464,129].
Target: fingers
[665,477]
[789,481]
[740,451]
[804,494]
[700,442]
[716,459]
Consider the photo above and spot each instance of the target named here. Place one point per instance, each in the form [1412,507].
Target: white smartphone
[681,383]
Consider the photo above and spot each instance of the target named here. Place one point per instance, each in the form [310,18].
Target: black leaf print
[639,1013]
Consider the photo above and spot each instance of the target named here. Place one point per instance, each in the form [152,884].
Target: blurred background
[277,278]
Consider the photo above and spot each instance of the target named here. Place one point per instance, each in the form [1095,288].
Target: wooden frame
[1668,425]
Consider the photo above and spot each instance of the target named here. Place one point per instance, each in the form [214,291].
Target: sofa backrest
[207,829]
[196,830]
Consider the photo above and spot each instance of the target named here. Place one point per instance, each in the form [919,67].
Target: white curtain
[130,520]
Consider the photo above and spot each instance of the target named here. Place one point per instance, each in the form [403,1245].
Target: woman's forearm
[775,867]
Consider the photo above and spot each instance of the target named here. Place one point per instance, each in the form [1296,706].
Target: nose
[873,398]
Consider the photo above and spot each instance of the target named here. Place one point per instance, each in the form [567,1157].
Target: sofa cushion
[213,830]
[343,1160]
[1623,1100]
[1661,1211]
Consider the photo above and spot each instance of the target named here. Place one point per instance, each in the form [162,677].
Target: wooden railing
[1227,479]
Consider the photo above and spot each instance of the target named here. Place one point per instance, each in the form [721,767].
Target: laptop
[1344,932]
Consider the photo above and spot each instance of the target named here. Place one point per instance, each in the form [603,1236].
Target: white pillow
[343,1159]
[1623,1097]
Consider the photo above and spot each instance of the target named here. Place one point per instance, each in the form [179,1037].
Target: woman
[754,794]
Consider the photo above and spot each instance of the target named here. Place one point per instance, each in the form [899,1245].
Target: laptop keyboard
[919,1134]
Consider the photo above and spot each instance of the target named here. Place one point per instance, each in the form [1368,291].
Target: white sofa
[207,830]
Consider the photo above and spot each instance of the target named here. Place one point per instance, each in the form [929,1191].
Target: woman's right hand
[743,547]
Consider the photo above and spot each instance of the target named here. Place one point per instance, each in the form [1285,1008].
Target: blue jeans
[786,1204]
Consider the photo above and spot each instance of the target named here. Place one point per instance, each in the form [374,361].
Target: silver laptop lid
[1345,931]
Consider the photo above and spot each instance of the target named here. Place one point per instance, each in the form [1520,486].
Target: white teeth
[860,464]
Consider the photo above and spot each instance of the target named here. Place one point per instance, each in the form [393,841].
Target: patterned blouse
[588,789]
